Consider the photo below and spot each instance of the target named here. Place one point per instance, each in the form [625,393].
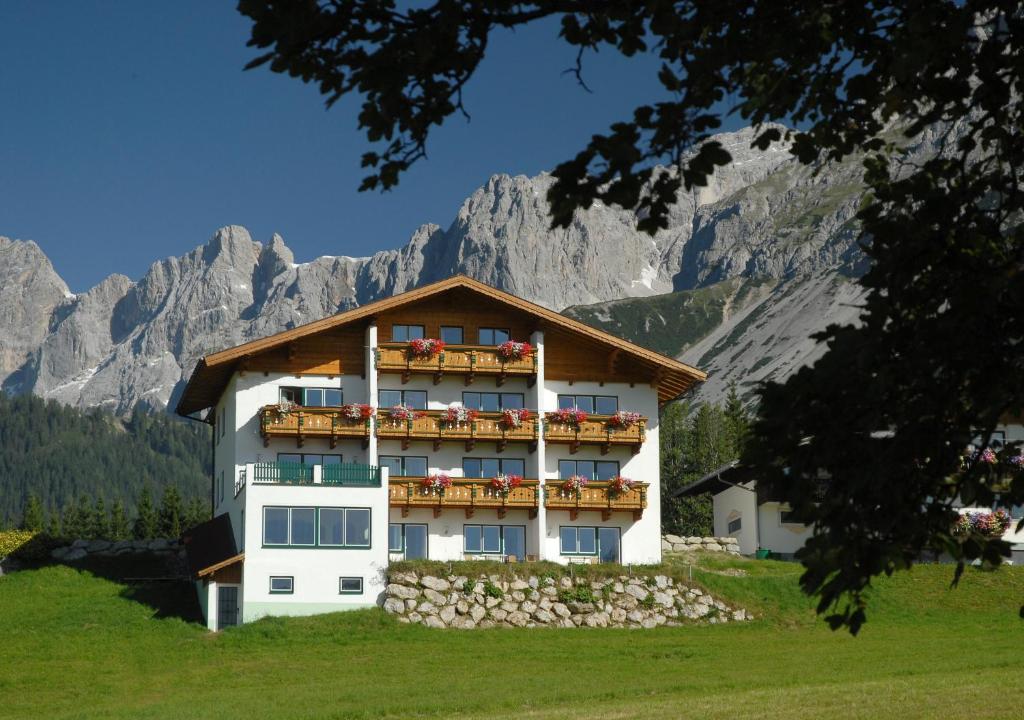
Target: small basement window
[282,585]
[350,586]
[735,525]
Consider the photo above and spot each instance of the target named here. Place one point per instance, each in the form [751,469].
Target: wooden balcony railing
[465,360]
[432,426]
[597,496]
[595,430]
[310,422]
[468,494]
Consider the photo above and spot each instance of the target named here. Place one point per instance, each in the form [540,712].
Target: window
[324,527]
[494,336]
[451,335]
[786,518]
[312,397]
[595,404]
[223,421]
[416,399]
[495,540]
[608,544]
[241,545]
[492,402]
[735,525]
[350,586]
[309,458]
[282,585]
[399,466]
[590,469]
[220,488]
[489,467]
[405,333]
[409,539]
[578,540]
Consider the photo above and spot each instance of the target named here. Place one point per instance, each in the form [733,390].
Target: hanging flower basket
[503,484]
[356,412]
[425,348]
[568,416]
[458,415]
[512,350]
[620,485]
[574,484]
[403,413]
[623,420]
[438,482]
[282,409]
[986,524]
[513,418]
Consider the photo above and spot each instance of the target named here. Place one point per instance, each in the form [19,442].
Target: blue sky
[129,132]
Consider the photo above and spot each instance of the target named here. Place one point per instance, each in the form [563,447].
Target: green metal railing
[351,474]
[283,472]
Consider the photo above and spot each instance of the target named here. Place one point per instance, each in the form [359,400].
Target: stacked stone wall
[677,543]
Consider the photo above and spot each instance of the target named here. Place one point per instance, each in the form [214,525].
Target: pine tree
[72,521]
[171,511]
[737,422]
[53,529]
[100,521]
[195,513]
[145,520]
[119,527]
[33,517]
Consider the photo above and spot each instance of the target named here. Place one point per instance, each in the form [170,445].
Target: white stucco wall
[737,502]
[778,537]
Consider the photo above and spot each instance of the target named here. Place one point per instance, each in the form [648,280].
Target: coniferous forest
[89,473]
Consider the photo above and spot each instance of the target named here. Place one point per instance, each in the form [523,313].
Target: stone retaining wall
[81,549]
[459,602]
[676,543]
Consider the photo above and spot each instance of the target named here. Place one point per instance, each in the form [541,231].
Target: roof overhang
[213,372]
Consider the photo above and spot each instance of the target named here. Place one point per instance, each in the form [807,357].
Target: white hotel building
[319,482]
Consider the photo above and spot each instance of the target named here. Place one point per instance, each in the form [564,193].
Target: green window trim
[317,545]
[291,585]
[404,547]
[341,586]
[593,402]
[501,529]
[577,553]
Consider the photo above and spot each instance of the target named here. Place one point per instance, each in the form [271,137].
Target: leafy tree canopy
[884,416]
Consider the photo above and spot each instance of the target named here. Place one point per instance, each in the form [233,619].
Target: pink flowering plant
[436,482]
[568,416]
[356,412]
[986,524]
[574,484]
[502,484]
[513,418]
[623,420]
[620,484]
[457,414]
[403,413]
[512,350]
[425,348]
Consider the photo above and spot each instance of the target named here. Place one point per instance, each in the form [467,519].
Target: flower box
[458,415]
[504,484]
[620,485]
[438,482]
[512,350]
[623,420]
[357,412]
[425,348]
[513,418]
[403,413]
[568,416]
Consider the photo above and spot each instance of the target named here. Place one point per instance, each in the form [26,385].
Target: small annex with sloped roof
[335,345]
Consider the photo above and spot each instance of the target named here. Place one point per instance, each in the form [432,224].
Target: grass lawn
[73,645]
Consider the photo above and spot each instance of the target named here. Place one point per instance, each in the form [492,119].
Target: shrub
[648,602]
[12,540]
[492,590]
[578,593]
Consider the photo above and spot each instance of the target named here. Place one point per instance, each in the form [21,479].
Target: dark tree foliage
[57,453]
[884,416]
[119,528]
[169,519]
[33,517]
[145,527]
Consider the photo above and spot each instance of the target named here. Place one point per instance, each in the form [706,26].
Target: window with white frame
[603,542]
[312,397]
[409,539]
[282,584]
[350,586]
[319,527]
[505,540]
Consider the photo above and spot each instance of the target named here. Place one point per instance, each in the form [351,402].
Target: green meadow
[75,645]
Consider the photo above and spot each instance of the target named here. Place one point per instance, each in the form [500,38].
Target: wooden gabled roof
[214,371]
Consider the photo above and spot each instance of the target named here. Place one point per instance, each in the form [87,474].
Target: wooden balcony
[595,431]
[432,427]
[597,496]
[467,494]
[310,422]
[466,361]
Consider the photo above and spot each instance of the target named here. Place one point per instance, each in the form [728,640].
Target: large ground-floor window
[410,539]
[323,527]
[601,542]
[506,540]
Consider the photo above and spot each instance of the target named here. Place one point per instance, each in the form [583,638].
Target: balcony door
[608,544]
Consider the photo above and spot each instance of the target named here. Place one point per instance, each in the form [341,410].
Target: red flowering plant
[357,412]
[459,414]
[620,484]
[512,350]
[403,413]
[568,416]
[438,482]
[574,484]
[425,348]
[984,523]
[502,484]
[624,420]
[513,418]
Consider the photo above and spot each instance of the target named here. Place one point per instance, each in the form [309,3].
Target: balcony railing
[432,426]
[468,494]
[595,430]
[310,422]
[597,496]
[293,473]
[467,361]
[240,482]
